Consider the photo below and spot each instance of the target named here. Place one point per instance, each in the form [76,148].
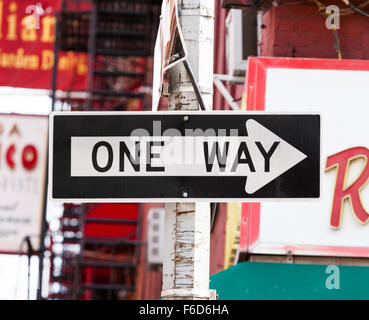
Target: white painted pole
[187,225]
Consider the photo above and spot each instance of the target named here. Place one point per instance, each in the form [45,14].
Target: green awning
[268,281]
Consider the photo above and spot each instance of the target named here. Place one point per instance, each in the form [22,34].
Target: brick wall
[298,30]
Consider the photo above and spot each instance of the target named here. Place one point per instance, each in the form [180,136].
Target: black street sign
[183,156]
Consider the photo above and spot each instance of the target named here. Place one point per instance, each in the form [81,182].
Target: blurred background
[74,55]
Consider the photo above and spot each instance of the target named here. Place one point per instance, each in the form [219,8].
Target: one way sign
[183,156]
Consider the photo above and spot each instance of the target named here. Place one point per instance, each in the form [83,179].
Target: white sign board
[337,224]
[23,141]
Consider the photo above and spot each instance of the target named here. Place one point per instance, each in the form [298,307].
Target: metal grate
[118,36]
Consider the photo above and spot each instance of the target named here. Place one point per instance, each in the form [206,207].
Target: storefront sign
[337,224]
[22,178]
[27,35]
[282,281]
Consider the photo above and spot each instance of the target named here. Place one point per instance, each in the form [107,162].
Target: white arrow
[284,158]
[261,156]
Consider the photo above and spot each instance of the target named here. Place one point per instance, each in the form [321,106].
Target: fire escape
[94,254]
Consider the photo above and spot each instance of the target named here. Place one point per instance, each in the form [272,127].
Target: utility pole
[187,225]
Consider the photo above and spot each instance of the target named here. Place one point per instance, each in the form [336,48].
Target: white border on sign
[161,200]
